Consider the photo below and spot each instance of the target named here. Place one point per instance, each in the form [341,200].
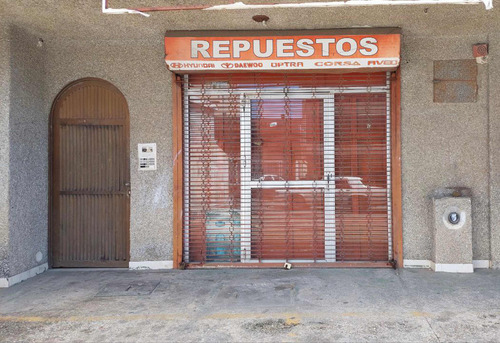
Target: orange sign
[282,52]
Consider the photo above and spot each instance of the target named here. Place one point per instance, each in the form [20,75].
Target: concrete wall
[442,144]
[494,148]
[28,154]
[4,147]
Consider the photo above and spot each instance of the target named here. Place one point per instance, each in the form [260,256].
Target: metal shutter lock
[454,218]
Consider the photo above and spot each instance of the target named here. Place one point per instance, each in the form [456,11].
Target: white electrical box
[147,156]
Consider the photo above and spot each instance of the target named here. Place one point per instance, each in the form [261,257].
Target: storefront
[316,136]
[287,148]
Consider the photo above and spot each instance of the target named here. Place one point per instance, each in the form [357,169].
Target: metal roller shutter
[286,167]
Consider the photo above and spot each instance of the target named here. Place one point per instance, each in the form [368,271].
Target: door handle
[329,178]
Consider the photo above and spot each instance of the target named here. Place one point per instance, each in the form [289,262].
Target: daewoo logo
[227,65]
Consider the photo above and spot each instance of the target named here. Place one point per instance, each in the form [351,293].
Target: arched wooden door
[90,176]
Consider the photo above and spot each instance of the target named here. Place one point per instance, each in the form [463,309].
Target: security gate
[286,168]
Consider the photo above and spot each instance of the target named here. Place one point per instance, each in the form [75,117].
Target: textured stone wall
[4,148]
[443,145]
[28,152]
[494,148]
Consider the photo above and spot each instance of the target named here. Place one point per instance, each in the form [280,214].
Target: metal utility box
[452,244]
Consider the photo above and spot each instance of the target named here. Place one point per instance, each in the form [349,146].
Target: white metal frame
[389,166]
[247,184]
[185,230]
[327,94]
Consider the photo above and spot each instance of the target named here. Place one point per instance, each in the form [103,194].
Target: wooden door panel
[92,158]
[95,239]
[90,176]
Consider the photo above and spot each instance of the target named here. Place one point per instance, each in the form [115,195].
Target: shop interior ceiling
[233,5]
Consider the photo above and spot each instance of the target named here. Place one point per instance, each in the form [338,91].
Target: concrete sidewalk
[253,305]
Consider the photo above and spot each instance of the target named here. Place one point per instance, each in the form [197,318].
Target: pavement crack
[432,329]
[416,301]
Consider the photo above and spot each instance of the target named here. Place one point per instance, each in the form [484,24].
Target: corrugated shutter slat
[286,167]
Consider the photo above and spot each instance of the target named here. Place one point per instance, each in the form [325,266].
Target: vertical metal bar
[329,175]
[388,159]
[186,166]
[245,174]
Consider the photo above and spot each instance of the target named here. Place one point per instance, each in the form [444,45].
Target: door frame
[53,175]
[247,184]
[178,137]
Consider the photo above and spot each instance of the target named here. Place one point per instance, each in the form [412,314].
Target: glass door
[287,177]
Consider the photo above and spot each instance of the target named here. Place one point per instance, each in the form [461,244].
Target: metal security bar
[281,167]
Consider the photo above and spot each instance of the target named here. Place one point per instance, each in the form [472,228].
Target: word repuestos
[283,48]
